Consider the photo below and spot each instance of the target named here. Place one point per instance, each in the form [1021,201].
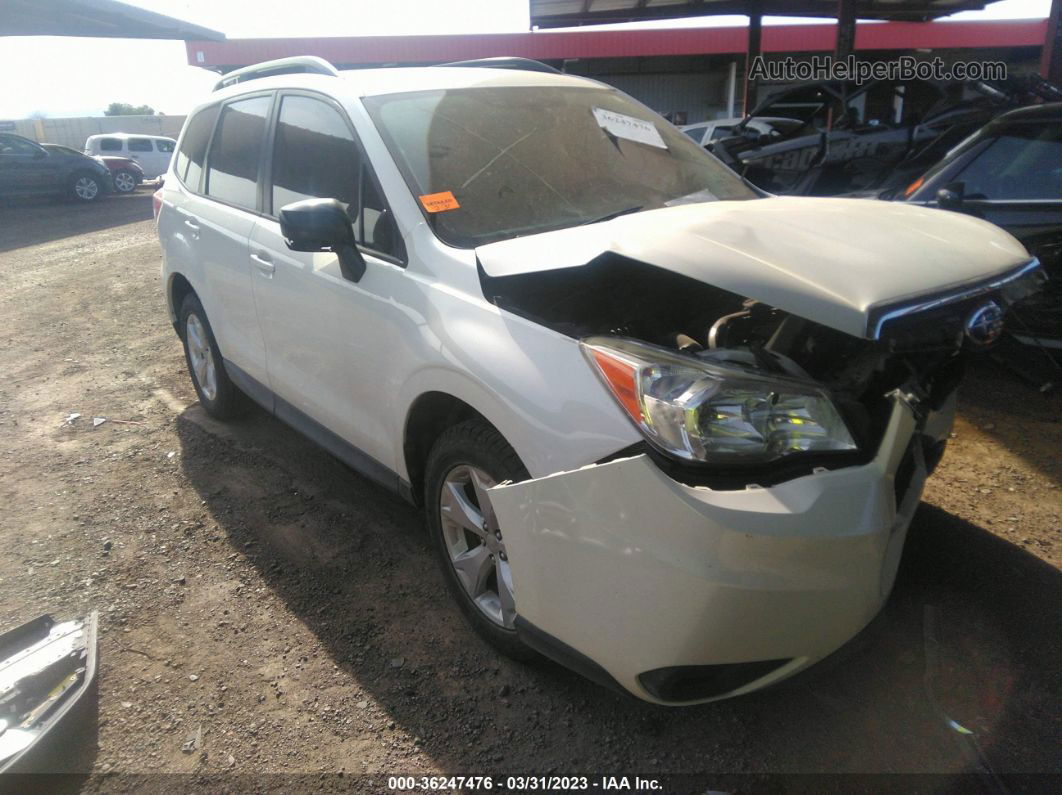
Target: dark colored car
[1010,173]
[28,169]
[866,137]
[125,172]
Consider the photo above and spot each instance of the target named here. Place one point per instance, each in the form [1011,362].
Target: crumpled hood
[830,260]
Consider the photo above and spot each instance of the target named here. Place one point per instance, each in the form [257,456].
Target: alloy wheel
[86,188]
[475,545]
[124,182]
[201,357]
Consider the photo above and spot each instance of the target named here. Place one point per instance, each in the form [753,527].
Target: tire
[85,188]
[125,181]
[221,398]
[473,445]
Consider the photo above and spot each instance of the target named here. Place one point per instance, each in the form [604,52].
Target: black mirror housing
[323,225]
[951,196]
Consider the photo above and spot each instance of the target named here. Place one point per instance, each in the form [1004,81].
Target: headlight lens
[701,411]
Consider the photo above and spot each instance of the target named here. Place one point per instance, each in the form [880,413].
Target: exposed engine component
[617,296]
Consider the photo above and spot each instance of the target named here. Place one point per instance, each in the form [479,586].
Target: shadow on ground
[31,222]
[352,563]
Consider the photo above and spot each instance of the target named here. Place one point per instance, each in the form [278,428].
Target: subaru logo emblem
[985,324]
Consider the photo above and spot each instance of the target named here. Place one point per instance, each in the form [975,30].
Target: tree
[125,109]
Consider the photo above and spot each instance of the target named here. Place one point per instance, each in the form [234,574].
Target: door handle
[263,262]
[193,227]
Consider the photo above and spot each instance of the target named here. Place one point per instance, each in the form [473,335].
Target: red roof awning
[556,46]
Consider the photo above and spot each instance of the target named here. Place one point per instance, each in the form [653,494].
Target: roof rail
[504,62]
[299,64]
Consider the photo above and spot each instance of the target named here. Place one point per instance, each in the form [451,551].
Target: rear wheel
[468,543]
[220,397]
[125,181]
[85,188]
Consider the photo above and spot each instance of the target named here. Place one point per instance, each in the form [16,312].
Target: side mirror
[323,225]
[951,196]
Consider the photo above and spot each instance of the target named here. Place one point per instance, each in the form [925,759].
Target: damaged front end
[730,391]
[790,416]
[47,668]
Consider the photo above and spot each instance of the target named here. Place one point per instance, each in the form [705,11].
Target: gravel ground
[264,610]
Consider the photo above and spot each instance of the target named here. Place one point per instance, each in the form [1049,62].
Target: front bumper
[682,594]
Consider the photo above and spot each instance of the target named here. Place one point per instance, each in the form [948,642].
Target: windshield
[490,163]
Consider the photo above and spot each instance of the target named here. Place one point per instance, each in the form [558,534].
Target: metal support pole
[846,29]
[731,90]
[1051,60]
[755,49]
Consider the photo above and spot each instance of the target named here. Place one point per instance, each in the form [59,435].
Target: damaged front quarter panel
[636,573]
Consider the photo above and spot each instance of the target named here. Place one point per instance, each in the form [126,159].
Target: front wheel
[468,543]
[86,188]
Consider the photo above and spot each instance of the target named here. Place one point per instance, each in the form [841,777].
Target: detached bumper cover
[637,572]
[46,670]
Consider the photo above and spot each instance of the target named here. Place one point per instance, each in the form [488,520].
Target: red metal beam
[556,46]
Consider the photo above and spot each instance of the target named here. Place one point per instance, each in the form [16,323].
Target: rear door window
[236,151]
[140,145]
[192,154]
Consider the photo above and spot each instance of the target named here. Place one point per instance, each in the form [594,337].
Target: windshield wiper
[615,214]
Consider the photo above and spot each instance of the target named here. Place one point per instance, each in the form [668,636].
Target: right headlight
[702,411]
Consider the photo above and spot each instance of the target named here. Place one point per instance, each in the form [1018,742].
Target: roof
[559,46]
[372,82]
[128,135]
[98,18]
[560,13]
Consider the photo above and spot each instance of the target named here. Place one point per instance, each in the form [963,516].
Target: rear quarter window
[192,154]
[110,145]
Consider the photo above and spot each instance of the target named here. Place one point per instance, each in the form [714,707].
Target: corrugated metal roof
[100,18]
[559,13]
[556,46]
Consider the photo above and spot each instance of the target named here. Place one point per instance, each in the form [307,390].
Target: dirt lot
[253,589]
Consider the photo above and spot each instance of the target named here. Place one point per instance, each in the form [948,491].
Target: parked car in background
[870,136]
[152,152]
[126,174]
[1010,173]
[665,429]
[29,169]
[766,127]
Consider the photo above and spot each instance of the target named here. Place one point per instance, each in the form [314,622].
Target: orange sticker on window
[439,202]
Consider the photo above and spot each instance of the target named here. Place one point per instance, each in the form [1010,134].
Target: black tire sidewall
[472,443]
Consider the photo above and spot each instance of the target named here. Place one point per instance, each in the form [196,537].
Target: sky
[80,76]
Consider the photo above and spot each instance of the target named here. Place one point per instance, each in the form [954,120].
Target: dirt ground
[264,610]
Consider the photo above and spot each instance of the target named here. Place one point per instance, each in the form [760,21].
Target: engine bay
[618,296]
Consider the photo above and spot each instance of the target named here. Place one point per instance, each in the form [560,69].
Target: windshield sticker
[439,202]
[622,126]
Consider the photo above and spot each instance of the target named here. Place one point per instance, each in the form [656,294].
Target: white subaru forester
[666,430]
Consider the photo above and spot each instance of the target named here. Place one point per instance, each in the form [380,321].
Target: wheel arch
[429,416]
[178,289]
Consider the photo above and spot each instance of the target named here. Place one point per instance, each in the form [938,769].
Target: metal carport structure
[95,18]
[564,13]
